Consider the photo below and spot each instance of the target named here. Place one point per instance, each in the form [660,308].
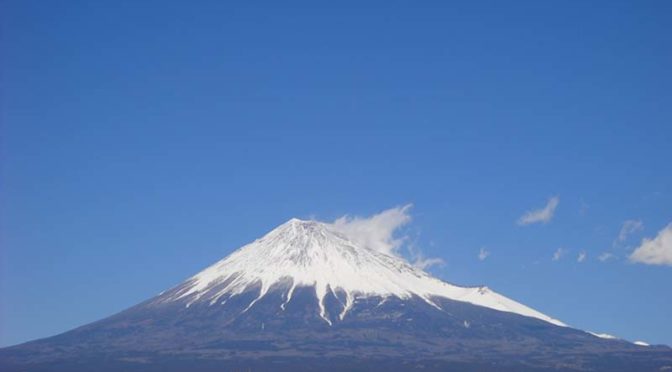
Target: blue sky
[143,141]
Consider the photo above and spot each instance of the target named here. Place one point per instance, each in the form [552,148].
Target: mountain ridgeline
[306,298]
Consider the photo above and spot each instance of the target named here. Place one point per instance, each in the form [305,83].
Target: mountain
[305,297]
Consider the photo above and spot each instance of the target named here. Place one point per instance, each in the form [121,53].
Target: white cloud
[376,232]
[543,215]
[605,256]
[629,227]
[656,251]
[425,263]
[581,257]
[419,260]
[483,254]
[558,254]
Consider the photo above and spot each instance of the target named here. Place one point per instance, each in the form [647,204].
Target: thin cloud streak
[629,227]
[543,215]
[483,254]
[605,256]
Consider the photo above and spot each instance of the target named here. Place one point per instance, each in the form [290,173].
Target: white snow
[604,335]
[610,337]
[311,253]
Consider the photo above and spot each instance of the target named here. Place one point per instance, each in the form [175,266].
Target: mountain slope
[309,253]
[305,298]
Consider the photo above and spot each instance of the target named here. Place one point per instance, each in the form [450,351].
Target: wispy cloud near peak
[376,232]
[425,263]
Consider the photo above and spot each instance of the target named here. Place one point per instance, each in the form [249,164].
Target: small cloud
[543,215]
[656,251]
[483,254]
[581,257]
[629,227]
[558,254]
[419,260]
[425,263]
[605,256]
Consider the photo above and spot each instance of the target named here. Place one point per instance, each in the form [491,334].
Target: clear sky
[142,141]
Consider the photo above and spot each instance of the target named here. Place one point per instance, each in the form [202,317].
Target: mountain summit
[305,297]
[314,254]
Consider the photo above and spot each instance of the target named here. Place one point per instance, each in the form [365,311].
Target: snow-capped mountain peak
[302,253]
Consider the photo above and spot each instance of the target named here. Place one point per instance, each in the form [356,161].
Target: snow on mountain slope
[605,336]
[311,253]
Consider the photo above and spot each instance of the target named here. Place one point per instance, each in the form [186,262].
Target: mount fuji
[306,297]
